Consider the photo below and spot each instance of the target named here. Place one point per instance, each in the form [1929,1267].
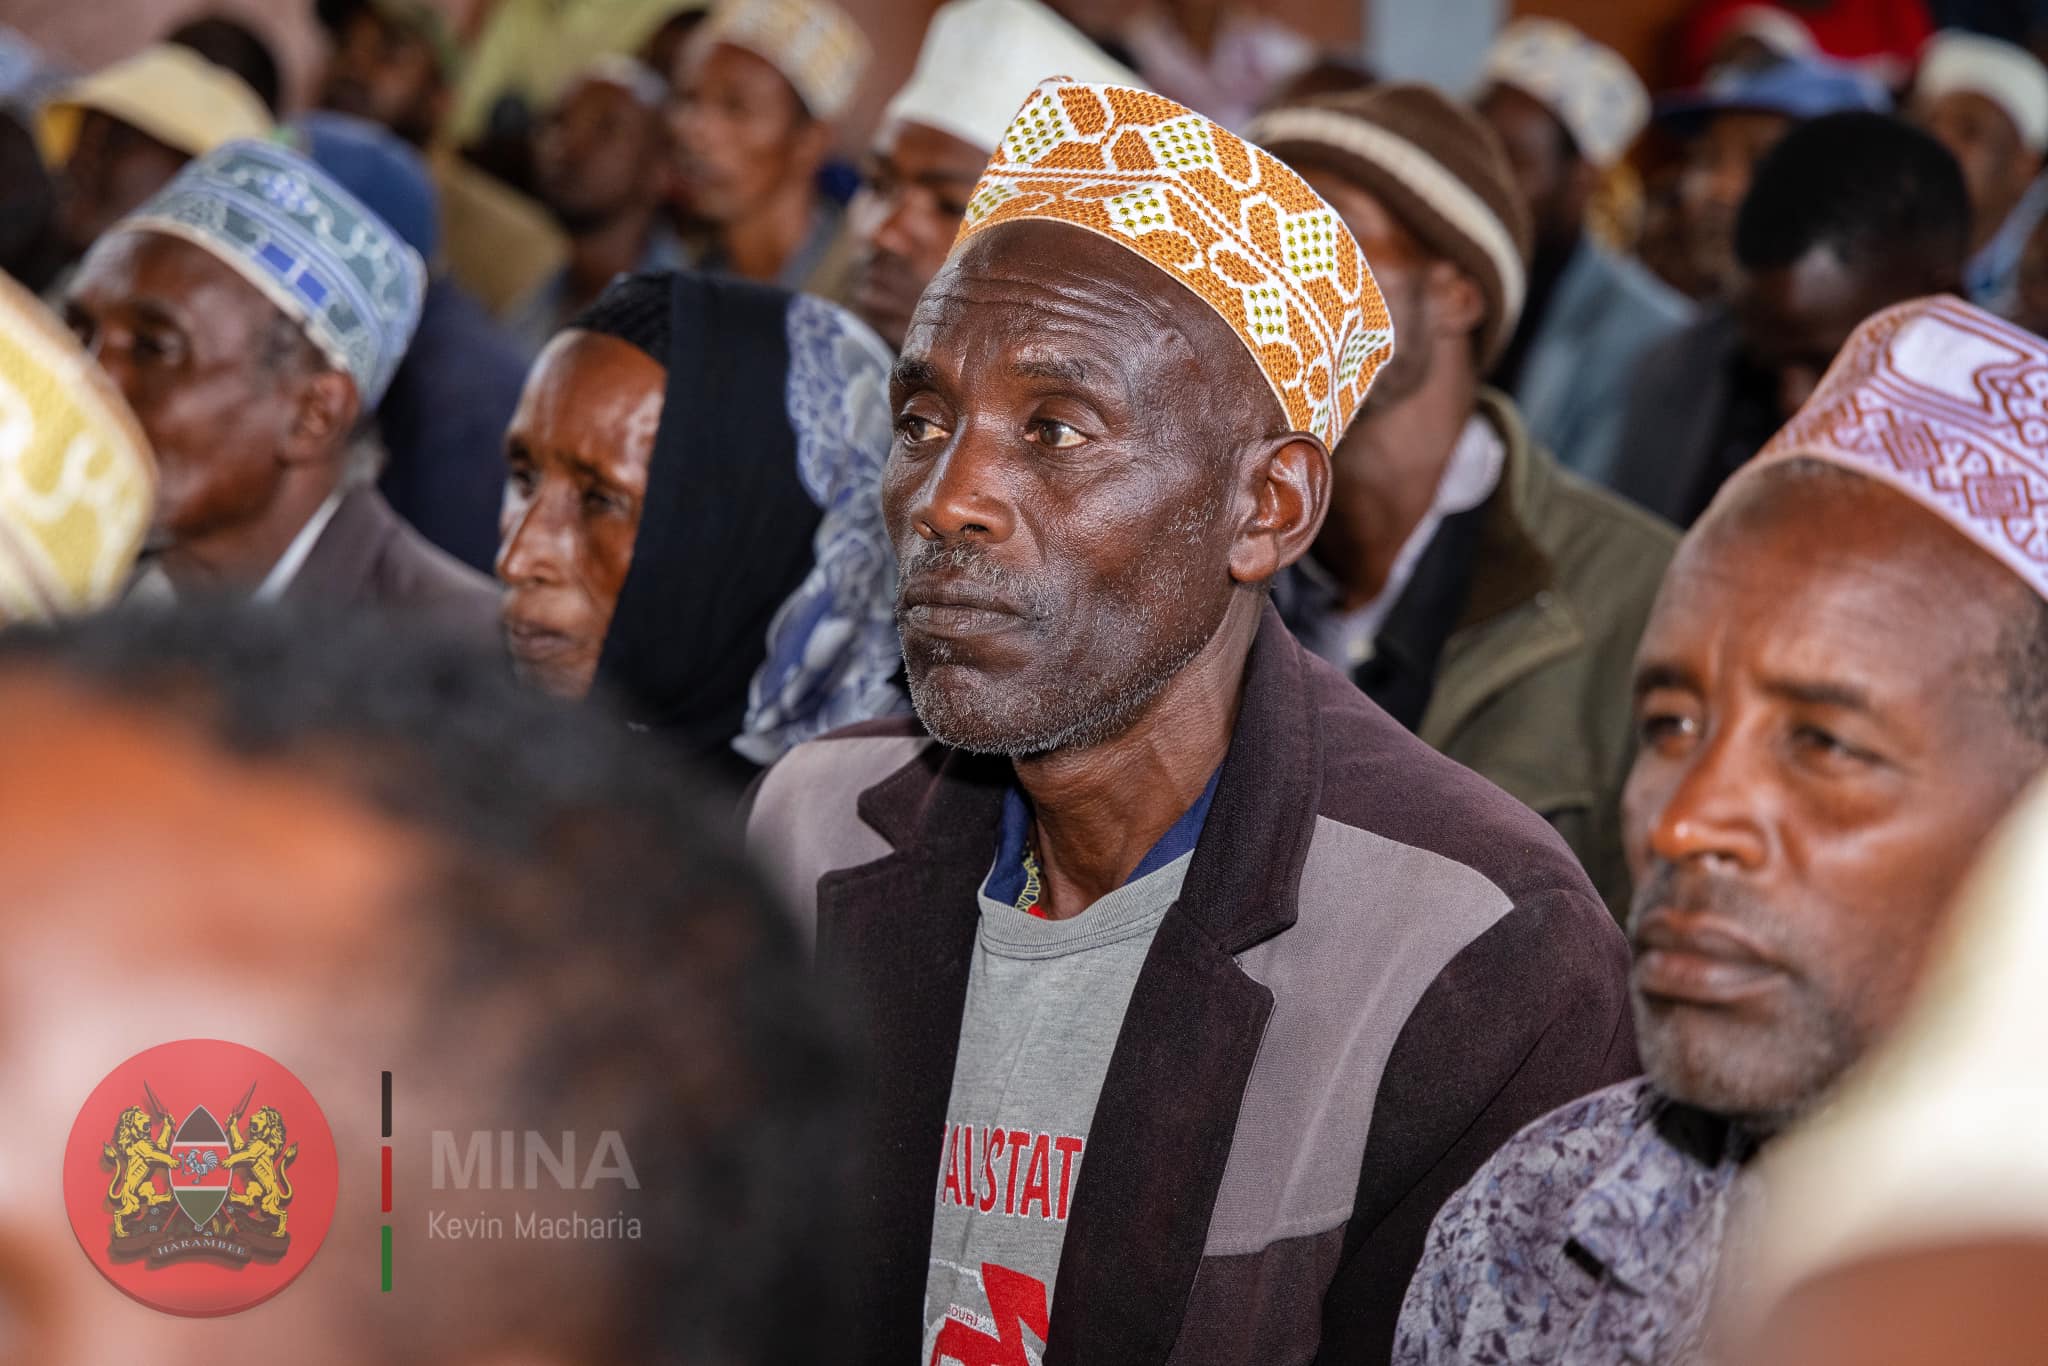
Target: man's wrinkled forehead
[1044,285]
[1874,567]
[132,263]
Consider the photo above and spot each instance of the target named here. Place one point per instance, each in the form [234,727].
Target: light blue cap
[315,250]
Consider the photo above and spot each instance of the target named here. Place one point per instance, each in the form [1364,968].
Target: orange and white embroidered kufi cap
[1220,216]
[1948,405]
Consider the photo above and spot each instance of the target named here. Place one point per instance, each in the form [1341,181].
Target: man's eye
[1661,728]
[915,431]
[1055,435]
[1823,744]
[154,349]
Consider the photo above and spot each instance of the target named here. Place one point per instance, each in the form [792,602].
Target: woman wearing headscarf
[692,525]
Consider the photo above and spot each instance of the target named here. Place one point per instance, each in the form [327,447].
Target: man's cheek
[1642,799]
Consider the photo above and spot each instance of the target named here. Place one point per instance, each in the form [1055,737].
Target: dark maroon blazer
[1380,967]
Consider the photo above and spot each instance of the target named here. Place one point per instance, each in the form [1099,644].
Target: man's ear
[1288,478]
[323,416]
[1457,305]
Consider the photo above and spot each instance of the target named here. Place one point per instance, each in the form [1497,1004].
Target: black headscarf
[725,527]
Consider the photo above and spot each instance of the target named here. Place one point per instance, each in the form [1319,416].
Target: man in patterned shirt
[1818,768]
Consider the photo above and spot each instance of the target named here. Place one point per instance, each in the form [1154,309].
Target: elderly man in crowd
[602,173]
[1567,109]
[117,136]
[253,314]
[1809,793]
[1200,981]
[1849,214]
[979,61]
[759,92]
[1486,599]
[1987,101]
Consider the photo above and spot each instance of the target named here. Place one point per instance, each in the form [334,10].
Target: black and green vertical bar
[385,1281]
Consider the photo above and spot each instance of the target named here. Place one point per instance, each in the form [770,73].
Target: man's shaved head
[1083,483]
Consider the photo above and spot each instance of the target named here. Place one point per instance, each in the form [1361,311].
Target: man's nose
[961,497]
[1711,813]
[895,232]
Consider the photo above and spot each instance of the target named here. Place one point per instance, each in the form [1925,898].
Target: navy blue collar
[1006,879]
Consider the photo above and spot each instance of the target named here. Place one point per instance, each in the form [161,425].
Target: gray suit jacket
[1605,313]
[369,557]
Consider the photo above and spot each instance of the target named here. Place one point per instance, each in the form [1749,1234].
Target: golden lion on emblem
[133,1152]
[265,1185]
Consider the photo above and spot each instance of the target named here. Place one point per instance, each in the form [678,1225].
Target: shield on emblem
[201,1179]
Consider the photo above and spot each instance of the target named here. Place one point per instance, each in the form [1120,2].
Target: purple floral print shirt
[1592,1237]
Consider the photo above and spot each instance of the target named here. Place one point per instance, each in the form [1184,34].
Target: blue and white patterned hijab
[832,648]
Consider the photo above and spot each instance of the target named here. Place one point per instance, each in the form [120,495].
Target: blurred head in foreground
[1909,1222]
[356,850]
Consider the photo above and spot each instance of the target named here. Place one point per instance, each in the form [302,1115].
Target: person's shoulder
[882,745]
[1592,533]
[1494,1267]
[1391,803]
[415,571]
[1672,384]
[1534,1178]
[828,774]
[803,816]
[418,578]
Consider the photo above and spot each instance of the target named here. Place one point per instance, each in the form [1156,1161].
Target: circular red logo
[200,1177]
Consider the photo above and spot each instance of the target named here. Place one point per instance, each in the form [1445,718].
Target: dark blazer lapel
[898,935]
[1156,1151]
[1168,1112]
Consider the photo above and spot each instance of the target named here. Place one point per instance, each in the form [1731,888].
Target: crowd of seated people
[1149,699]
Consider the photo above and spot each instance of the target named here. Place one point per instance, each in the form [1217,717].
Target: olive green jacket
[1533,685]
